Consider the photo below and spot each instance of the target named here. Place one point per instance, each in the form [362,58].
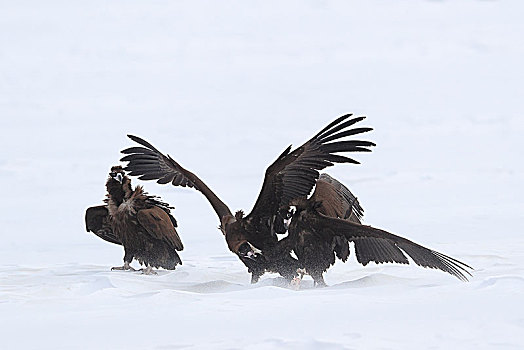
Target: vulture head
[118,184]
[237,241]
[117,174]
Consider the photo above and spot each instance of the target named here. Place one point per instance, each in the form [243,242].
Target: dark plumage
[289,180]
[97,221]
[323,225]
[316,254]
[140,222]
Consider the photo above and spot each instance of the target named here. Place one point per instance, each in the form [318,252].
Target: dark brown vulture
[315,253]
[288,181]
[323,225]
[140,222]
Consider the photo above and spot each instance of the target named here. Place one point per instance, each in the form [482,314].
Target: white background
[224,87]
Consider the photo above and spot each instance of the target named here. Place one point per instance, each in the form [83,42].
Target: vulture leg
[255,276]
[301,273]
[148,271]
[318,279]
[126,267]
[295,282]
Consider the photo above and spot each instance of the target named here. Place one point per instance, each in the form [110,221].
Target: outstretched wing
[159,225]
[336,200]
[373,244]
[148,163]
[97,221]
[294,174]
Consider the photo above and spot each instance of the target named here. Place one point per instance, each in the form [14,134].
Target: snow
[224,87]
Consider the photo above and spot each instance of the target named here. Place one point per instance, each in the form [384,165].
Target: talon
[148,271]
[295,283]
[126,267]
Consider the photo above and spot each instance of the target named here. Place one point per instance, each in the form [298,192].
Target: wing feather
[373,244]
[159,225]
[97,221]
[294,174]
[336,200]
[346,133]
[148,163]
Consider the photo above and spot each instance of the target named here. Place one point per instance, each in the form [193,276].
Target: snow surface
[224,87]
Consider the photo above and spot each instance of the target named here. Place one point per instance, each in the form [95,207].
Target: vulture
[317,253]
[142,223]
[317,226]
[323,225]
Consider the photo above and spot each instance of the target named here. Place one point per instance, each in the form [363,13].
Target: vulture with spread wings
[288,182]
[323,225]
[140,222]
[317,253]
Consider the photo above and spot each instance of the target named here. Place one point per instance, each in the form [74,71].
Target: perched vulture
[140,222]
[289,181]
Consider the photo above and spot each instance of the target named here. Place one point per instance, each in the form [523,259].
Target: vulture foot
[295,283]
[319,283]
[318,280]
[148,271]
[255,276]
[126,267]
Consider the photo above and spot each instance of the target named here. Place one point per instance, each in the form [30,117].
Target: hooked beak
[247,250]
[118,177]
